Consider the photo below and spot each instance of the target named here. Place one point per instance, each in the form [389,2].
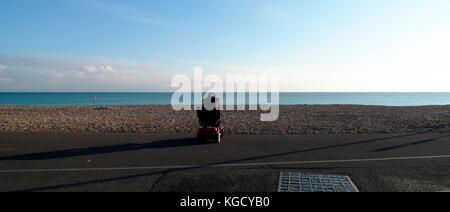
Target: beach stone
[295,119]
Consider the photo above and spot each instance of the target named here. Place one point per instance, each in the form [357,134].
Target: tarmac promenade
[242,163]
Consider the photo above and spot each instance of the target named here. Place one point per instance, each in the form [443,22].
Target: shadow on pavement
[409,144]
[104,150]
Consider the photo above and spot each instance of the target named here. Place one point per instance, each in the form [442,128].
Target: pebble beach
[298,119]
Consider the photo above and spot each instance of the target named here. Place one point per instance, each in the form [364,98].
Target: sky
[140,45]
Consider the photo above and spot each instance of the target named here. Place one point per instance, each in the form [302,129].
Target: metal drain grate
[298,182]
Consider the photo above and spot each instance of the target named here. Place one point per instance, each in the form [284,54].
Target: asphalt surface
[147,162]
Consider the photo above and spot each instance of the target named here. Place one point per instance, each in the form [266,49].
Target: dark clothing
[209,118]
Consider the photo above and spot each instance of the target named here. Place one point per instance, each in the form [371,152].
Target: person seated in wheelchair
[209,115]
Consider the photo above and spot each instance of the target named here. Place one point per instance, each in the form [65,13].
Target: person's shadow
[104,149]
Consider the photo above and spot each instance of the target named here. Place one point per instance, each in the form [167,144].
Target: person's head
[211,102]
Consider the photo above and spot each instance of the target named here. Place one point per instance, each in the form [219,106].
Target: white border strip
[224,165]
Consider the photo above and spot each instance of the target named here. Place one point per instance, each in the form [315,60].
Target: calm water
[387,99]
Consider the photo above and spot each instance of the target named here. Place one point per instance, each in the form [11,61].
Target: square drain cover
[299,182]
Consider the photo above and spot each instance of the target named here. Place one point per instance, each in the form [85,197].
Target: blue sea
[384,99]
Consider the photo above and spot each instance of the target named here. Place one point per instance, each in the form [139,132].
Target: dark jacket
[209,118]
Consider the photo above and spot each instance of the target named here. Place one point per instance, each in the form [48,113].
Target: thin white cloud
[2,68]
[83,75]
[122,11]
[412,73]
[101,73]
